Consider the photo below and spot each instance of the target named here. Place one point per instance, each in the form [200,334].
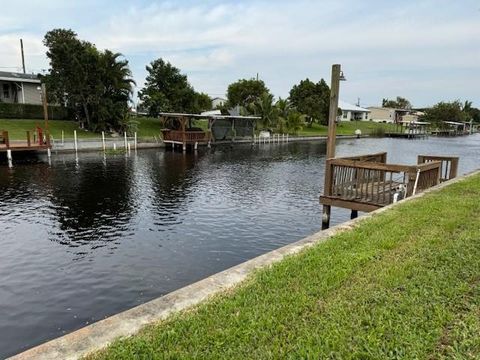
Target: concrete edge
[100,334]
[161,145]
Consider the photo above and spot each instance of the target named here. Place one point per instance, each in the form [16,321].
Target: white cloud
[423,49]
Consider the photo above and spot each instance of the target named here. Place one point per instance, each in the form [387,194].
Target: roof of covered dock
[200,116]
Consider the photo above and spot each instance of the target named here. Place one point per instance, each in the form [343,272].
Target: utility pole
[45,112]
[332,117]
[358,102]
[23,56]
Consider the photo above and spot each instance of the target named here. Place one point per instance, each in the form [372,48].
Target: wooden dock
[409,130]
[368,182]
[35,140]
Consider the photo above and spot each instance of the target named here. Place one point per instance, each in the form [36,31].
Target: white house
[352,112]
[218,101]
[19,88]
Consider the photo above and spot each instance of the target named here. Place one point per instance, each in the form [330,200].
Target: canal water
[82,240]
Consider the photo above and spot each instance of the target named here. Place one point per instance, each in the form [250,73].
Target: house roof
[20,77]
[219,98]
[389,108]
[350,107]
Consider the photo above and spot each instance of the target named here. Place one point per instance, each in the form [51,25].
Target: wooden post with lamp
[337,76]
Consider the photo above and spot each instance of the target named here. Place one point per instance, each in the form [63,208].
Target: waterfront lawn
[150,127]
[403,284]
[17,128]
[347,128]
[147,127]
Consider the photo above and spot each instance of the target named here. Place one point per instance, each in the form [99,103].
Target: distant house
[218,101]
[387,115]
[19,88]
[413,116]
[352,112]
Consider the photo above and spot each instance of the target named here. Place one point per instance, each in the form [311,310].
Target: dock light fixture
[342,77]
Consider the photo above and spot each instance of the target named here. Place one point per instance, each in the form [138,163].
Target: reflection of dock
[405,135]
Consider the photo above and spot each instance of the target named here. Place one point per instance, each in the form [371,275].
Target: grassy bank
[346,128]
[149,127]
[404,284]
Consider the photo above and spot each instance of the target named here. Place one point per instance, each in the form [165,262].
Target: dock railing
[4,139]
[187,136]
[448,168]
[363,184]
[41,140]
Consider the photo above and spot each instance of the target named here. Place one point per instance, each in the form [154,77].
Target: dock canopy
[219,127]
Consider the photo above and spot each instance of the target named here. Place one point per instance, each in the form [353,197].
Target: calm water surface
[83,240]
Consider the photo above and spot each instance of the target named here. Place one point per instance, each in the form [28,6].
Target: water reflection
[84,239]
[92,202]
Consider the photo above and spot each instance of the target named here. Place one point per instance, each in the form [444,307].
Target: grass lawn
[405,284]
[345,128]
[147,127]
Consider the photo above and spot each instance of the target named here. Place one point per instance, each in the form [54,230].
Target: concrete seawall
[91,145]
[100,334]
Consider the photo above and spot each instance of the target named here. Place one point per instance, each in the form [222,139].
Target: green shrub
[378,132]
[31,111]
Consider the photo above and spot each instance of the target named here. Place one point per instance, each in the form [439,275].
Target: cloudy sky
[425,50]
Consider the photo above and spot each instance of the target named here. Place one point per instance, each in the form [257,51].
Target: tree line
[97,88]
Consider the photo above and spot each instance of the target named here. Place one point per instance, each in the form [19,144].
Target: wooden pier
[409,130]
[368,182]
[35,140]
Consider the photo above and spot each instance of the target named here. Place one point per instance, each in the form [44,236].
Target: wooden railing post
[7,139]
[28,139]
[453,168]
[327,191]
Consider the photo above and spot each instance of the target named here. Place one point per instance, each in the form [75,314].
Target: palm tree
[295,122]
[265,108]
[117,82]
[283,109]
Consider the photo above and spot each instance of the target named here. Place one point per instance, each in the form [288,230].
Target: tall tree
[311,99]
[96,86]
[244,92]
[116,89]
[168,90]
[399,103]
[203,102]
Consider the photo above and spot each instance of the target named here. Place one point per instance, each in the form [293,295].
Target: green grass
[147,127]
[404,284]
[345,128]
[17,128]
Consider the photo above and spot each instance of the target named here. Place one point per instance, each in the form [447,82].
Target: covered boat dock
[192,130]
